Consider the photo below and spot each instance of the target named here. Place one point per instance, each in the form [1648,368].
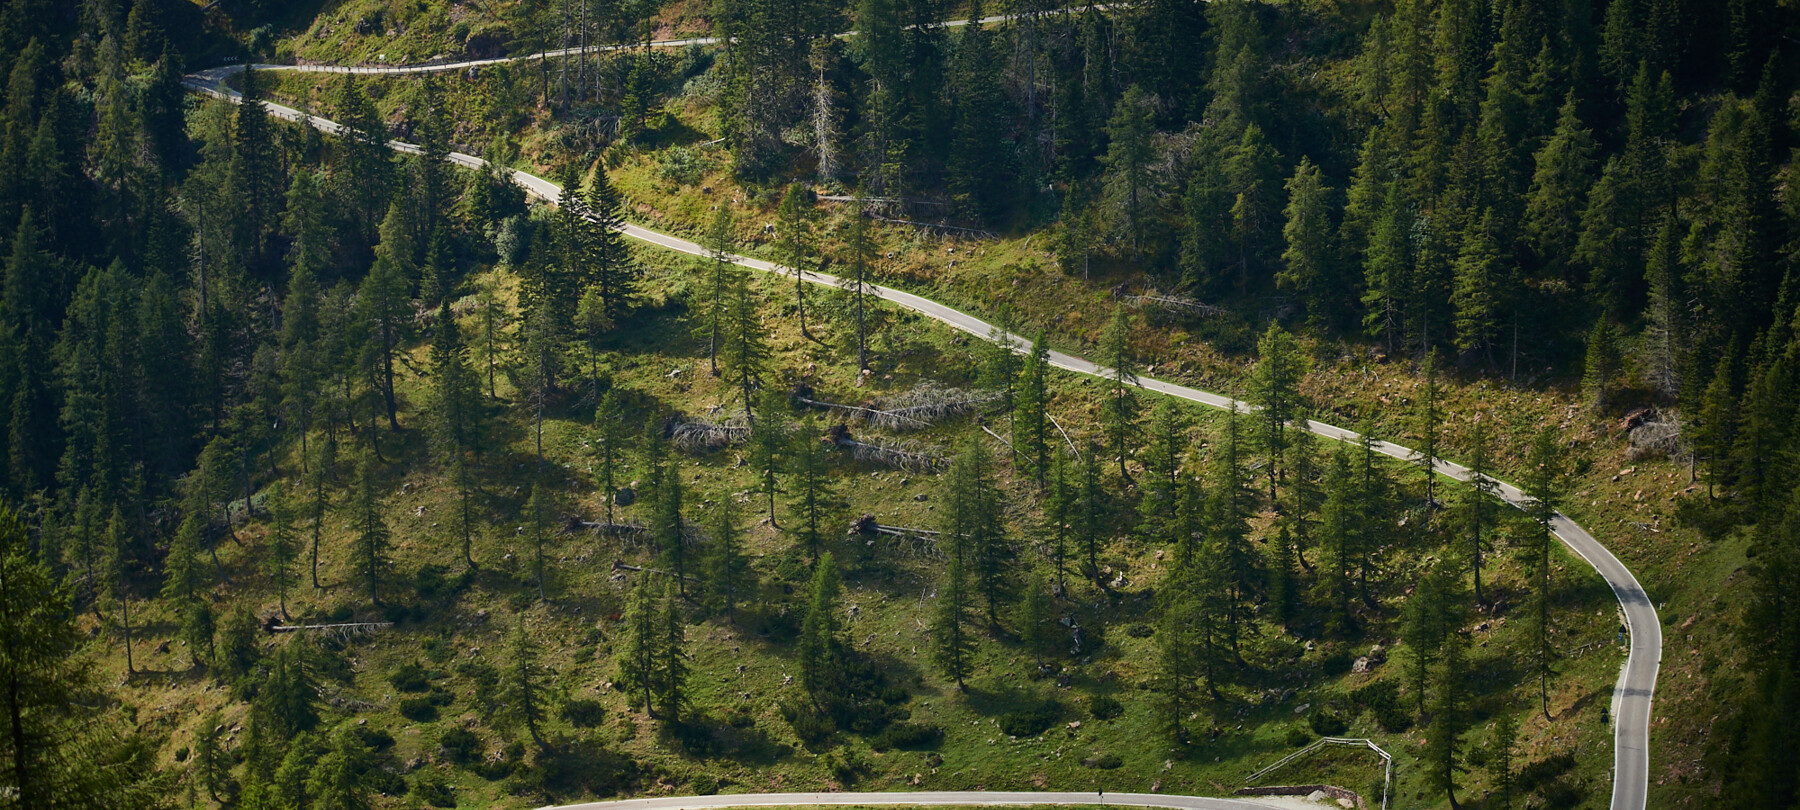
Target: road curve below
[985,798]
[1635,689]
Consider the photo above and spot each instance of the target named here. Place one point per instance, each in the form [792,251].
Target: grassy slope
[1682,571]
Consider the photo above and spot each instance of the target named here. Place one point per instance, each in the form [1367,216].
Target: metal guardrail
[1388,780]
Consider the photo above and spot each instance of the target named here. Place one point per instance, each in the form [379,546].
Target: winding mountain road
[1632,693]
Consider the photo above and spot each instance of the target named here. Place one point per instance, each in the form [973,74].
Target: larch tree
[1309,257]
[771,443]
[747,354]
[860,254]
[668,523]
[522,683]
[796,244]
[1119,408]
[640,647]
[455,422]
[1131,149]
[1177,674]
[975,529]
[1544,494]
[1030,417]
[721,240]
[1479,499]
[1428,418]
[118,576]
[1166,445]
[729,578]
[1274,385]
[609,445]
[672,669]
[1254,170]
[372,535]
[537,526]
[815,499]
[284,542]
[821,646]
[1034,617]
[953,644]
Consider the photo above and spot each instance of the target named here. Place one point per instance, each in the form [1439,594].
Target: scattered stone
[921,497]
[1362,665]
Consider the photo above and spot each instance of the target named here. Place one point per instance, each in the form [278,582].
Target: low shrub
[583,713]
[1140,631]
[1327,723]
[460,746]
[418,709]
[1105,707]
[410,677]
[1031,720]
[908,736]
[1104,762]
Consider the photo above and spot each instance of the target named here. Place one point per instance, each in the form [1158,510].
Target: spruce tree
[1168,443]
[323,470]
[1340,539]
[1093,510]
[612,270]
[1559,185]
[1665,335]
[1061,504]
[1481,293]
[1229,514]
[1254,170]
[1449,716]
[385,306]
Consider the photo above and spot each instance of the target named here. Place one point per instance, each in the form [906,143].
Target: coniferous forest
[580,400]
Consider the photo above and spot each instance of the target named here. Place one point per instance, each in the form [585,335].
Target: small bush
[431,581]
[584,713]
[812,727]
[460,746]
[1327,723]
[418,709]
[1105,707]
[1032,720]
[1297,736]
[340,614]
[704,785]
[908,736]
[1382,699]
[1140,631]
[1336,663]
[410,677]
[1104,762]
[432,791]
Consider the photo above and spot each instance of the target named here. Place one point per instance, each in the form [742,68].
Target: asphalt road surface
[1632,694]
[923,797]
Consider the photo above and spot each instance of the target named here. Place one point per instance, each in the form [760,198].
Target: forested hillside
[335,477]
